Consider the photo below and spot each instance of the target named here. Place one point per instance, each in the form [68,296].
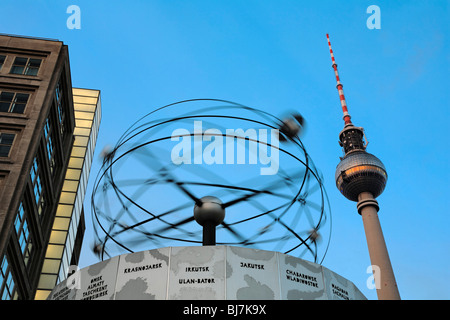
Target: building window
[2,60]
[36,184]
[26,66]
[58,91]
[7,286]
[6,141]
[13,102]
[60,106]
[50,146]
[23,234]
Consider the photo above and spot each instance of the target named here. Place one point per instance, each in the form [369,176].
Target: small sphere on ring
[210,211]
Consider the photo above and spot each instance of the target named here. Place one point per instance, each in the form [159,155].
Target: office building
[66,237]
[45,152]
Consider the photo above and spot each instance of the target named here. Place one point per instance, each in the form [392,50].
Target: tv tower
[361,177]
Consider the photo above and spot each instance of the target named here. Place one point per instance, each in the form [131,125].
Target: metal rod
[339,86]
[209,234]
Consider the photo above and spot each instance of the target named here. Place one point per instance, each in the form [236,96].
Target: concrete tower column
[368,208]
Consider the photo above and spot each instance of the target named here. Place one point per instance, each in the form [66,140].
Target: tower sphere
[210,211]
[360,171]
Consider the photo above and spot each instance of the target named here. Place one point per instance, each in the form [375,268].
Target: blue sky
[273,55]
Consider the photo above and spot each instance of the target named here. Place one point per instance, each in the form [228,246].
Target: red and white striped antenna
[339,86]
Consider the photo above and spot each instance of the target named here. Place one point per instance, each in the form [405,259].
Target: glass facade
[87,107]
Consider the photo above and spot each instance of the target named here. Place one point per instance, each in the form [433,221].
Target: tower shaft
[379,257]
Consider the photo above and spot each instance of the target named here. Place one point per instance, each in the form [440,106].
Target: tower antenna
[339,86]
